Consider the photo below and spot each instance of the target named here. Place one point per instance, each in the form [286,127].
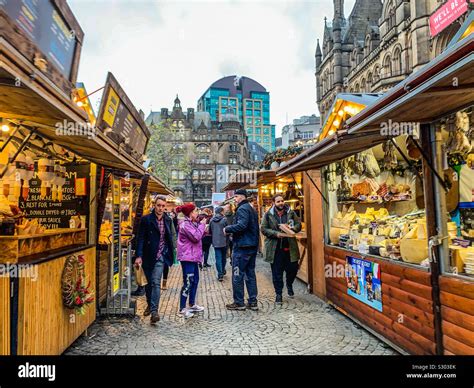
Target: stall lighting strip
[4,145]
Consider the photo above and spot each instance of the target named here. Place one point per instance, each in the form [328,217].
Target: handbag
[140,275]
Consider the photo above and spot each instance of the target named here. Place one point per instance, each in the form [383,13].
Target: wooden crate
[13,248]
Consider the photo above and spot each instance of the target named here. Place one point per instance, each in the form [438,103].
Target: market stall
[396,240]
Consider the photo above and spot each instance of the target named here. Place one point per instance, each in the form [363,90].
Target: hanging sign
[447,14]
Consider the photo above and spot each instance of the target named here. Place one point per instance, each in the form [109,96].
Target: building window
[233,102]
[258,121]
[250,138]
[181,175]
[195,174]
[257,131]
[266,131]
[397,61]
[258,139]
[174,174]
[248,104]
[248,112]
[249,121]
[387,66]
[249,130]
[257,112]
[224,102]
[257,104]
[209,174]
[266,139]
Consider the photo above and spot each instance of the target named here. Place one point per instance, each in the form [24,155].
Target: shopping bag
[140,275]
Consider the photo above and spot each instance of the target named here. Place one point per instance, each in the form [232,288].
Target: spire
[338,9]
[318,50]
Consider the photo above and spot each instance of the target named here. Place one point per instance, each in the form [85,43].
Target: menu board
[44,26]
[118,114]
[116,191]
[56,214]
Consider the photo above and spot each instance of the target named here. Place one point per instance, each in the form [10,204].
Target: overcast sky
[158,49]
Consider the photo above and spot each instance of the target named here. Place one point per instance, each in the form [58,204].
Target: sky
[157,49]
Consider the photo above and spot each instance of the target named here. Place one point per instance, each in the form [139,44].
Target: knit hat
[242,192]
[186,209]
[218,210]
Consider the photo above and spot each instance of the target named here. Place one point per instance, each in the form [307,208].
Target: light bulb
[4,125]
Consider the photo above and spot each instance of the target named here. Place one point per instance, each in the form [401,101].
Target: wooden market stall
[411,286]
[267,183]
[52,168]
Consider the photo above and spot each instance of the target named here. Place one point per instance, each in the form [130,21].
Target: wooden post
[307,220]
[431,224]
[140,204]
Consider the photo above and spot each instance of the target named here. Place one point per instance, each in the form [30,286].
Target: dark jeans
[166,271]
[220,260]
[190,283]
[282,263]
[243,268]
[153,288]
[205,249]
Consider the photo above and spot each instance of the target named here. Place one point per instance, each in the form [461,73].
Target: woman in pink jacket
[190,235]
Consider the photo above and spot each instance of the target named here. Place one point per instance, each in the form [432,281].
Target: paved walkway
[303,325]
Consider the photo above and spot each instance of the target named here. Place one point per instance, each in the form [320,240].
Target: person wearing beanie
[156,242]
[245,233]
[189,254]
[219,241]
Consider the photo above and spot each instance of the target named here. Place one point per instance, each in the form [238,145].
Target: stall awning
[251,179]
[36,102]
[442,87]
[155,185]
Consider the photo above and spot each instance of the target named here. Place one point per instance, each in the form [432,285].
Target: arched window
[363,87]
[376,73]
[387,66]
[369,82]
[357,88]
[367,47]
[397,61]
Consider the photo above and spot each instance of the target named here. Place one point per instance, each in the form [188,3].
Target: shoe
[186,313]
[147,312]
[220,278]
[207,265]
[224,273]
[200,266]
[140,291]
[196,309]
[291,293]
[235,306]
[279,299]
[154,318]
[253,306]
[163,285]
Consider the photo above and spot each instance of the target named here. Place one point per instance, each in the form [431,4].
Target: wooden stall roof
[155,185]
[415,100]
[37,102]
[251,179]
[442,87]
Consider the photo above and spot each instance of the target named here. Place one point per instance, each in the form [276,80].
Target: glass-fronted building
[249,99]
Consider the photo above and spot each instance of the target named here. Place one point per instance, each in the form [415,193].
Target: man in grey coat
[219,241]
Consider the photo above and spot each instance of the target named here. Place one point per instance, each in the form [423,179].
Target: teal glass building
[249,99]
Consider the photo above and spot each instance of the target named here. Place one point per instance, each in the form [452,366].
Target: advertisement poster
[364,282]
[116,236]
[222,176]
[217,199]
[448,13]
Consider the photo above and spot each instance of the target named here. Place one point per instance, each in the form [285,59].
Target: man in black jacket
[245,233]
[156,243]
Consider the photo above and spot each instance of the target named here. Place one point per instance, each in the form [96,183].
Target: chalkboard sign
[119,114]
[44,25]
[56,214]
[116,243]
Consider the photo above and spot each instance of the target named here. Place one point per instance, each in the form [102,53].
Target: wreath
[76,293]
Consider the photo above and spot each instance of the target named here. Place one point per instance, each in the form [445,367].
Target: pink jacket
[189,241]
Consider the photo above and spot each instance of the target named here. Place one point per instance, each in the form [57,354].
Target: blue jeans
[153,288]
[190,283]
[220,260]
[243,270]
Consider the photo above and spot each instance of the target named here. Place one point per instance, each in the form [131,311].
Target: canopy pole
[428,163]
[316,186]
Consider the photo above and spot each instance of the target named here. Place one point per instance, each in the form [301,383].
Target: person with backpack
[219,241]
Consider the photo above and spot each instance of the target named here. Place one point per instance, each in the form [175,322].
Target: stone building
[303,131]
[214,151]
[379,45]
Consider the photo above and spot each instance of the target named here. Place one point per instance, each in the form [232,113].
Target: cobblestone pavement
[303,325]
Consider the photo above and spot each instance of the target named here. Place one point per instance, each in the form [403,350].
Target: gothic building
[379,45]
[214,151]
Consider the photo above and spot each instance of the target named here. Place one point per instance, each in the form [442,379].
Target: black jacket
[149,238]
[245,230]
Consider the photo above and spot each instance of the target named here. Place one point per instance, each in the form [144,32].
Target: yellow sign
[111,107]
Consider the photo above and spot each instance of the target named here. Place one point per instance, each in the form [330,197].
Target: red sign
[447,14]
